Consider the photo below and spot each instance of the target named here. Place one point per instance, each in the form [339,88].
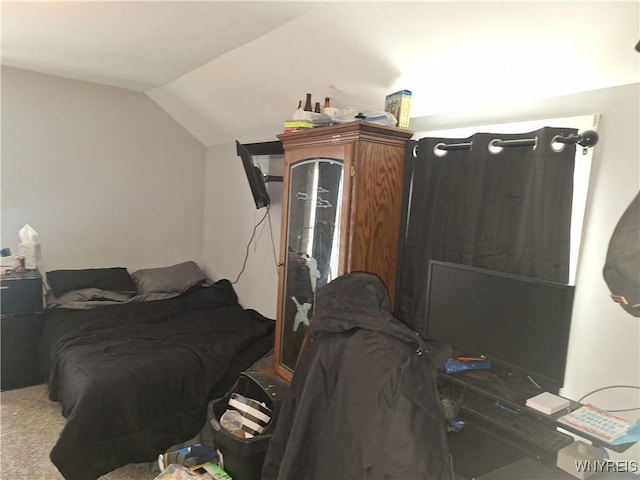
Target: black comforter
[135,379]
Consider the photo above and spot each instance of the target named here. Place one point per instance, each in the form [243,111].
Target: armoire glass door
[312,251]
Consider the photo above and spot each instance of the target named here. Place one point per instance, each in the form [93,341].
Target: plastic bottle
[231,421]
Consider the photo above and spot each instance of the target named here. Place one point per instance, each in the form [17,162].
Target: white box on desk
[548,403]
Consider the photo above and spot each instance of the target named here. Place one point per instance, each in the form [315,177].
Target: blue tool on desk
[461,364]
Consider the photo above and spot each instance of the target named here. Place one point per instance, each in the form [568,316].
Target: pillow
[116,279]
[176,278]
[86,295]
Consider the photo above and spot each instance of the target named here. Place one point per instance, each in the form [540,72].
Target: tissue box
[31,254]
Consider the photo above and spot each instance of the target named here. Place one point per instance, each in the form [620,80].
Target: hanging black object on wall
[622,267]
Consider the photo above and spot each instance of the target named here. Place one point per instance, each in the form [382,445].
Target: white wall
[104,175]
[229,219]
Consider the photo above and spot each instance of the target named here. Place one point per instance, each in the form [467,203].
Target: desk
[487,449]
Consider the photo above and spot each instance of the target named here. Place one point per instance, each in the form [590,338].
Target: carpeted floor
[29,427]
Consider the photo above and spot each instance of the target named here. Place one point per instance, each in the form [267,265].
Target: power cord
[273,243]
[246,255]
[636,387]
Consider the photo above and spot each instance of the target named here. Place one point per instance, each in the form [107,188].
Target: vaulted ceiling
[230,70]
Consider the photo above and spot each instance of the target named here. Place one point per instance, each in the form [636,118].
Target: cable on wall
[253,234]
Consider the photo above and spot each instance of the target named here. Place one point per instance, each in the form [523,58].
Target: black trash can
[242,458]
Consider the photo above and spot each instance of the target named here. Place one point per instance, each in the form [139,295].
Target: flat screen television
[255,177]
[519,323]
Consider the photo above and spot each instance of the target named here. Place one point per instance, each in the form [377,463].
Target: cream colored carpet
[29,427]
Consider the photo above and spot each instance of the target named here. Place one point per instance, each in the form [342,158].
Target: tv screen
[255,177]
[518,322]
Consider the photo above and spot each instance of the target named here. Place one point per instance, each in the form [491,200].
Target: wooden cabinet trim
[346,133]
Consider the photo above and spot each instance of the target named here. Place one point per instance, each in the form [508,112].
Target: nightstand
[21,300]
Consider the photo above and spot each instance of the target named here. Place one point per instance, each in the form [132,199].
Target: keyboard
[506,417]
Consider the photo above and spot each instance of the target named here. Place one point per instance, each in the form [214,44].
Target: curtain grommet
[494,148]
[440,152]
[556,145]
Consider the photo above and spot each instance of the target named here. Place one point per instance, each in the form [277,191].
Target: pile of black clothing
[363,401]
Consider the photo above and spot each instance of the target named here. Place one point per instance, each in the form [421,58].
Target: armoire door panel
[311,259]
[342,202]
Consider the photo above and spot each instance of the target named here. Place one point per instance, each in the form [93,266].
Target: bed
[134,360]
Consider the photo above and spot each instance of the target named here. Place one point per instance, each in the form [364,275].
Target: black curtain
[508,211]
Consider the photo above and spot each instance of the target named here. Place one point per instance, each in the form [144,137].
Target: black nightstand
[21,300]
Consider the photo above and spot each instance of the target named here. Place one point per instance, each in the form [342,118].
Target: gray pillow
[88,296]
[176,278]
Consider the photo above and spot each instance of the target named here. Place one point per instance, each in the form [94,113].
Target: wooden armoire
[341,212]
